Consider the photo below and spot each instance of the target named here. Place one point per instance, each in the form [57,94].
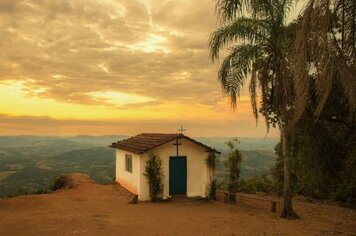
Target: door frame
[186,174]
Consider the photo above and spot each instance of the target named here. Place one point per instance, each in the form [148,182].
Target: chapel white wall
[197,171]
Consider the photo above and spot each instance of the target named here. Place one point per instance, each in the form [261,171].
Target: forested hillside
[29,163]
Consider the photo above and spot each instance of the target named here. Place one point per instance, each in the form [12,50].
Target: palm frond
[301,68]
[243,28]
[235,69]
[266,93]
[345,15]
[324,82]
[253,91]
[228,10]
[328,35]
[348,82]
[263,9]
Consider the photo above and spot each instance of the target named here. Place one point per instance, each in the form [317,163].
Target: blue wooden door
[178,175]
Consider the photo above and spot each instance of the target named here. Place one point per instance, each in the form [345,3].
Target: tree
[234,165]
[325,47]
[154,175]
[262,43]
[323,151]
[324,75]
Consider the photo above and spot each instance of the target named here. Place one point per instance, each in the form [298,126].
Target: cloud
[114,59]
[126,46]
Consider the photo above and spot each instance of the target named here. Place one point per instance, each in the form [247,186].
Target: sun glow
[21,100]
[153,43]
[18,99]
[119,98]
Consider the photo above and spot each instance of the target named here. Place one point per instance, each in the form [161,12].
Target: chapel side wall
[128,180]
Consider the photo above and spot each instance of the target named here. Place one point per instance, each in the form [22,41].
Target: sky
[114,67]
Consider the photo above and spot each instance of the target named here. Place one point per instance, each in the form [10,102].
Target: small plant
[154,175]
[212,189]
[60,182]
[234,163]
[210,161]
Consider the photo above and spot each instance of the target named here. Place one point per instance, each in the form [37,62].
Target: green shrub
[234,165]
[60,182]
[212,189]
[256,184]
[210,161]
[154,175]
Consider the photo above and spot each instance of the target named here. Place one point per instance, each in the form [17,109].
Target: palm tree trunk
[288,211]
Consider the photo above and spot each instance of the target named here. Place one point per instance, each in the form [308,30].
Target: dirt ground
[93,209]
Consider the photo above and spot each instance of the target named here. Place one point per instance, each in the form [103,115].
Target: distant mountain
[80,140]
[20,141]
[28,163]
[245,143]
[103,141]
[22,172]
[44,146]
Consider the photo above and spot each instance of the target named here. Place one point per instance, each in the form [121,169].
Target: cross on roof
[177,144]
[181,129]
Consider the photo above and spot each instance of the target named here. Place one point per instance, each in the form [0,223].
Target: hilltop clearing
[93,209]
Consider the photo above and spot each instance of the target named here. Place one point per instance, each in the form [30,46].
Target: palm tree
[325,47]
[259,45]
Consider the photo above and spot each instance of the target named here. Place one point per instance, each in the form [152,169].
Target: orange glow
[140,66]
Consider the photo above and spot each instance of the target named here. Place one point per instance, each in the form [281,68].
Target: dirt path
[93,209]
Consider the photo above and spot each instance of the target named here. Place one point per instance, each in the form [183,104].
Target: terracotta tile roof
[146,141]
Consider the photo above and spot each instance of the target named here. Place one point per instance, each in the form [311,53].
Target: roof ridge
[143,142]
[157,133]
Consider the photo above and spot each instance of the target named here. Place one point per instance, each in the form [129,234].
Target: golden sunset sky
[113,67]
